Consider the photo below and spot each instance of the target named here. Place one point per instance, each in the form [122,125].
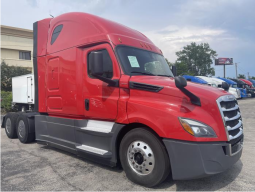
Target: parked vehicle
[250,88]
[243,86]
[105,92]
[23,92]
[194,79]
[252,81]
[218,83]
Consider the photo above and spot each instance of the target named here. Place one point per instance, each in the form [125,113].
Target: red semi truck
[104,91]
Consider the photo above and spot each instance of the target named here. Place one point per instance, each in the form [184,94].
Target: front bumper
[192,160]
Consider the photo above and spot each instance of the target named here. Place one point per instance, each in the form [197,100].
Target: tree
[182,69]
[252,77]
[241,76]
[196,59]
[7,72]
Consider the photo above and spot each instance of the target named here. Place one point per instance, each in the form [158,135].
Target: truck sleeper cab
[233,85]
[250,87]
[218,83]
[231,89]
[195,79]
[105,92]
[242,86]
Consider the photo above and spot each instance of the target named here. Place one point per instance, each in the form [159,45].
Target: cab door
[100,99]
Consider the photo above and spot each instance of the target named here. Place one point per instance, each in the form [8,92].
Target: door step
[93,150]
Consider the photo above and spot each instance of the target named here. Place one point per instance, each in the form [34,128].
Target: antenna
[52,16]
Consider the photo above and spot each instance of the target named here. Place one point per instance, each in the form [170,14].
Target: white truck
[23,92]
[218,83]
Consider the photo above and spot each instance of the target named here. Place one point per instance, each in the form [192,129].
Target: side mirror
[225,86]
[97,63]
[174,70]
[180,82]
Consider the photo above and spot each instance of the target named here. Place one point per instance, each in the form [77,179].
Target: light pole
[236,68]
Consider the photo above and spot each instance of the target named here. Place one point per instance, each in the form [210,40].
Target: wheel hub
[141,157]
[8,125]
[21,129]
[138,158]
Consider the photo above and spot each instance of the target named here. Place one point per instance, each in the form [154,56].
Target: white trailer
[23,92]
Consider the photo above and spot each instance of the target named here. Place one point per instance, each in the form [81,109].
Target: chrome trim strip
[227,98]
[235,127]
[231,109]
[230,149]
[92,149]
[233,118]
[237,135]
[98,126]
[222,115]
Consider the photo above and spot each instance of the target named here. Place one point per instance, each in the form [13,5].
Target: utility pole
[236,70]
[248,76]
[224,71]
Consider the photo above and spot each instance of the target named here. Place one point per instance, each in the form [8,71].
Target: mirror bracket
[111,82]
[193,98]
[181,83]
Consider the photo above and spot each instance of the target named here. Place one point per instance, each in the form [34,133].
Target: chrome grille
[231,116]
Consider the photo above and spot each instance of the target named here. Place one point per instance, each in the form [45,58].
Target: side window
[26,55]
[107,64]
[56,33]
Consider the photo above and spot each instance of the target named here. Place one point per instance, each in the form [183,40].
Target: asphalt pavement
[32,167]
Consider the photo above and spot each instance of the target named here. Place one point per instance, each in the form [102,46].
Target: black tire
[10,125]
[161,167]
[22,127]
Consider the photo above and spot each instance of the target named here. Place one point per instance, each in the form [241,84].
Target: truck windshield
[141,62]
[234,85]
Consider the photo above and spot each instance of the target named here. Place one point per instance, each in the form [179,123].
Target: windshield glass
[141,62]
[234,85]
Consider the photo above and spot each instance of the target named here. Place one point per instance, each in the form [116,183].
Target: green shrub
[6,100]
[7,72]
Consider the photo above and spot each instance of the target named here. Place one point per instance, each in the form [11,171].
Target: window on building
[107,64]
[56,33]
[26,55]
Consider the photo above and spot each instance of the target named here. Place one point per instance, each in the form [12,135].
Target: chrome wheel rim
[141,157]
[21,129]
[8,125]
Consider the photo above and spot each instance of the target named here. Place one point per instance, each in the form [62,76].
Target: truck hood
[204,92]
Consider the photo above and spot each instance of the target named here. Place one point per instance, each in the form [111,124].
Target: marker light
[197,128]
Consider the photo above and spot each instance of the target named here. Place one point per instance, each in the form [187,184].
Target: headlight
[196,128]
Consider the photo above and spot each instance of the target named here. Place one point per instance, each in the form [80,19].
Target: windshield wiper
[144,73]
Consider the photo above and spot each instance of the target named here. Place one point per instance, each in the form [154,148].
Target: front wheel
[144,158]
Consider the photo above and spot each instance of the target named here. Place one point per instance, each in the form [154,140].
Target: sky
[227,25]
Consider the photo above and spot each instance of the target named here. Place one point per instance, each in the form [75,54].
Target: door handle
[87,104]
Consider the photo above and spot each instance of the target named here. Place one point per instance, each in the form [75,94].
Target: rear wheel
[23,130]
[144,158]
[10,125]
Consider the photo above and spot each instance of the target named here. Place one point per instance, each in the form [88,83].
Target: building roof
[17,32]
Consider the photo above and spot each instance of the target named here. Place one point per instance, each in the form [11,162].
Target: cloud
[172,38]
[228,26]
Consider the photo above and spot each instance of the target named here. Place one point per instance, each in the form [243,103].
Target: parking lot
[35,167]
